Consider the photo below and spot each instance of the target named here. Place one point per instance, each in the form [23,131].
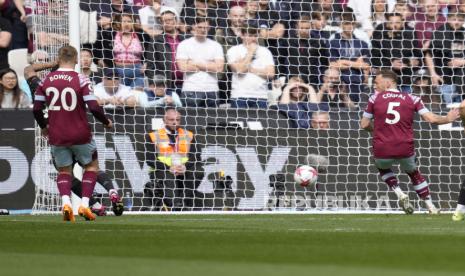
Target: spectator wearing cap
[446,58]
[350,56]
[5,40]
[253,67]
[161,54]
[158,95]
[149,18]
[110,92]
[201,60]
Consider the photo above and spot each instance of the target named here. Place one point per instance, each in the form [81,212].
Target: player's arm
[365,123]
[97,111]
[38,109]
[91,100]
[30,74]
[432,118]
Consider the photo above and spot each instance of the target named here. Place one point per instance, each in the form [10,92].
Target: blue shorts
[65,156]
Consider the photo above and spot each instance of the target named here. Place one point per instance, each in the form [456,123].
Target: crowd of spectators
[294,55]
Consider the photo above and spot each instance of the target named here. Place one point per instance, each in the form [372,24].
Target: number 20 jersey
[65,93]
[393,114]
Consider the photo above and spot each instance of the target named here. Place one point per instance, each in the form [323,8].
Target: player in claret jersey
[393,113]
[66,93]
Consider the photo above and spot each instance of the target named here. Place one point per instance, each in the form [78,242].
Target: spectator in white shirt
[110,92]
[149,18]
[201,60]
[252,66]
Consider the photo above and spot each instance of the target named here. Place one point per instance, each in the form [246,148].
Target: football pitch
[233,245]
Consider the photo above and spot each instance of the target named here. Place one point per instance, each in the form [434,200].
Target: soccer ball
[305,175]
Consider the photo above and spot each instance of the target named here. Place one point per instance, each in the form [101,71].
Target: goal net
[255,115]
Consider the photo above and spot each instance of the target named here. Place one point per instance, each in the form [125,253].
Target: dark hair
[386,8]
[67,54]
[16,90]
[250,30]
[348,16]
[118,18]
[110,73]
[201,19]
[318,15]
[304,18]
[392,14]
[388,74]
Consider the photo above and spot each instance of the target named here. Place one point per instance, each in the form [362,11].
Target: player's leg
[87,155]
[89,178]
[116,201]
[62,158]
[459,213]
[420,185]
[96,206]
[384,167]
[76,187]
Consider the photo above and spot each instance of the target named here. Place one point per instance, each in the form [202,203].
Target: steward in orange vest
[175,170]
[170,153]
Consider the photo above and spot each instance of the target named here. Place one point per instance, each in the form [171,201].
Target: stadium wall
[249,145]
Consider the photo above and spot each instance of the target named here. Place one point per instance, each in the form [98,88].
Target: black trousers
[176,192]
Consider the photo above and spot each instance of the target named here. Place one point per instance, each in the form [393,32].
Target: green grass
[233,245]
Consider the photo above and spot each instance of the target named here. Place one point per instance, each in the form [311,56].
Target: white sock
[85,202]
[460,208]
[398,191]
[429,202]
[66,200]
[97,205]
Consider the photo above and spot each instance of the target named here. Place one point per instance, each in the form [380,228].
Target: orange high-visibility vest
[166,151]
